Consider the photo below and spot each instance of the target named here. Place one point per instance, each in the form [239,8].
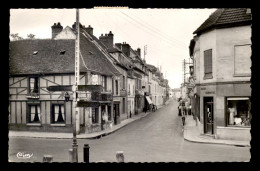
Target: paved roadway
[158,137]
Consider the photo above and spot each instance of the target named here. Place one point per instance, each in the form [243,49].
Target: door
[103,108]
[208,115]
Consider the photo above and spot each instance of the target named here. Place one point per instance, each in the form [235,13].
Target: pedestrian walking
[183,114]
[179,110]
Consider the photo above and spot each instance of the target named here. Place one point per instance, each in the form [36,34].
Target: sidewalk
[192,133]
[55,135]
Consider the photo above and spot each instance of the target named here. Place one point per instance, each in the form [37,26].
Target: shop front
[225,110]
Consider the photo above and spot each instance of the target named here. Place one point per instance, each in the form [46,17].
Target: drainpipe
[112,103]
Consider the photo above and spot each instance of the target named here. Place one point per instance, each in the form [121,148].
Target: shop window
[34,113]
[94,115]
[58,114]
[238,111]
[208,64]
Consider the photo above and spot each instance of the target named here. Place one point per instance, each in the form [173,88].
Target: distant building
[176,93]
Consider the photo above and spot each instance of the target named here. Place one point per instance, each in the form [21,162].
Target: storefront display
[238,111]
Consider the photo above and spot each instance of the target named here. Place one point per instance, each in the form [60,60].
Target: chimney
[89,30]
[74,26]
[126,49]
[107,39]
[56,29]
[138,51]
[119,46]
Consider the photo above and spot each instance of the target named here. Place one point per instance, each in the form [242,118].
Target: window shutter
[208,61]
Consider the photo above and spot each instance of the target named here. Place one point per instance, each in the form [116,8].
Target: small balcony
[33,95]
[95,96]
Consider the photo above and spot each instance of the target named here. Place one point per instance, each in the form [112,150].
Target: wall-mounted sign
[210,92]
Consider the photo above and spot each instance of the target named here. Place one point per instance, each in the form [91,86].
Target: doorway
[116,113]
[208,115]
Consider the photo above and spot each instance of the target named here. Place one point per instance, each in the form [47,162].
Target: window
[242,60]
[208,64]
[94,115]
[238,111]
[103,82]
[33,85]
[34,113]
[116,87]
[58,114]
[123,105]
[123,82]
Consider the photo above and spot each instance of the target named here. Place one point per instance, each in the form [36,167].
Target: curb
[91,137]
[242,145]
[214,142]
[108,133]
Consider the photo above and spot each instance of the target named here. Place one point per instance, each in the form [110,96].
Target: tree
[16,37]
[30,36]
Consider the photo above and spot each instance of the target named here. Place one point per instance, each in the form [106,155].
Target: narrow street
[158,137]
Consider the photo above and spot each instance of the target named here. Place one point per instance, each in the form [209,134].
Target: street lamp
[75,89]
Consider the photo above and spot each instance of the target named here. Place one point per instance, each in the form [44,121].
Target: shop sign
[116,99]
[203,88]
[210,92]
[87,104]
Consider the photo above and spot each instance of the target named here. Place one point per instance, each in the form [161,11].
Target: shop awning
[238,98]
[148,99]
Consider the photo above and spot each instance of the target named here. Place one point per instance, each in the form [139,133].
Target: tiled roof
[225,17]
[48,59]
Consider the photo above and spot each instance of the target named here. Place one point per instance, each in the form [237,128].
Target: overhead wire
[157,33]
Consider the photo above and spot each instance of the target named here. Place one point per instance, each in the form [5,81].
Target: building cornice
[222,83]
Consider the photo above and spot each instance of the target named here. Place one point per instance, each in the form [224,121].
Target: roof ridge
[223,9]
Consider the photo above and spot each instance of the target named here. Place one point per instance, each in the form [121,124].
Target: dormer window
[248,11]
[62,52]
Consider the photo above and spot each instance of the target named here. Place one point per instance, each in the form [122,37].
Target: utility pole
[184,70]
[145,51]
[75,89]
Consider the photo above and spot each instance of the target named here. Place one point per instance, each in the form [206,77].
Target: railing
[95,96]
[33,95]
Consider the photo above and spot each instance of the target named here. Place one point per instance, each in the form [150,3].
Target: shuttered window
[208,63]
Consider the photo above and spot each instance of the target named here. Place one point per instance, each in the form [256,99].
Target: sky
[165,32]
